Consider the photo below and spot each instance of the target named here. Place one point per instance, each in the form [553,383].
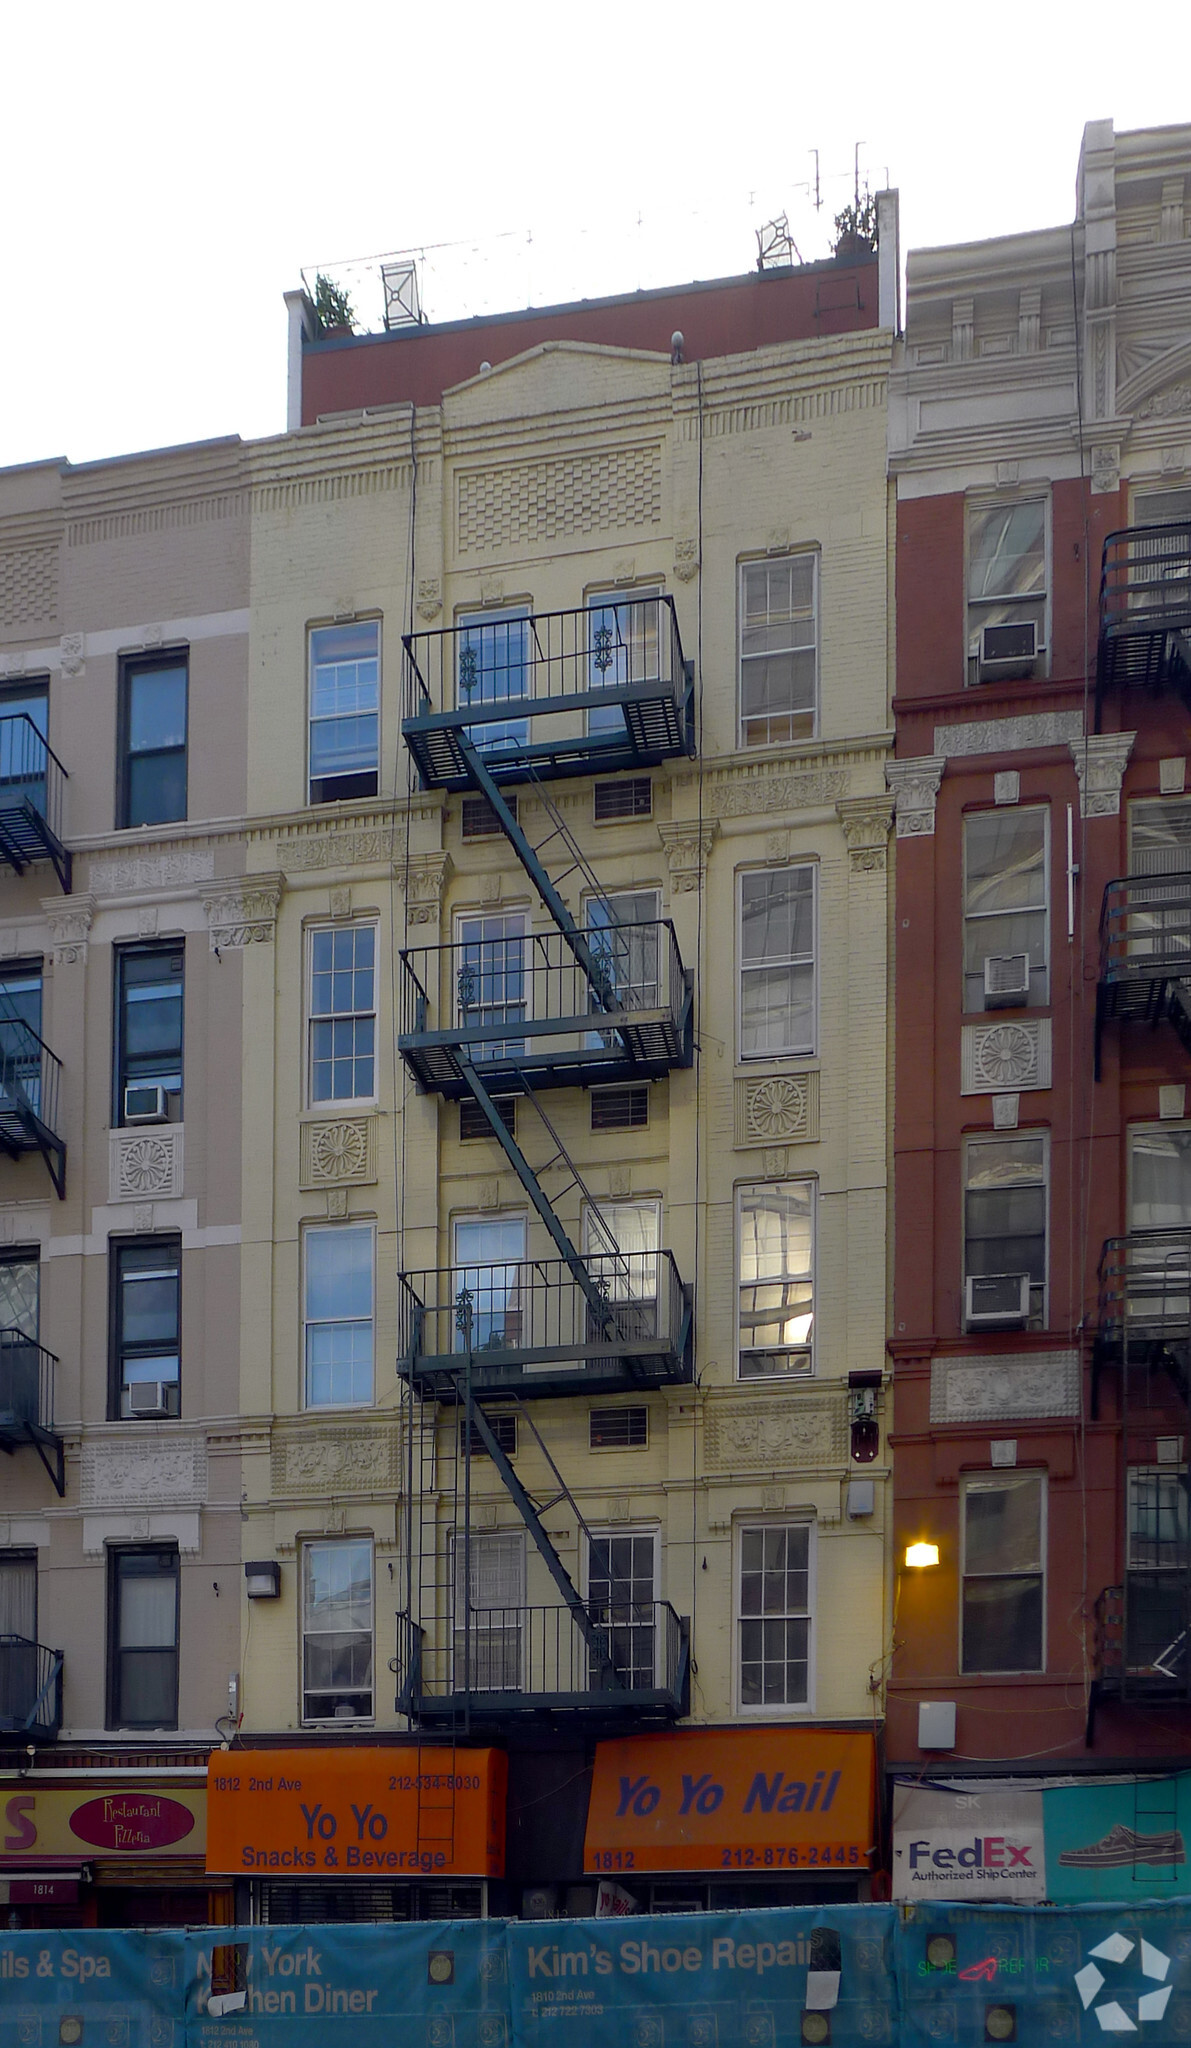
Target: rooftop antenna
[776,246]
[856,176]
[818,194]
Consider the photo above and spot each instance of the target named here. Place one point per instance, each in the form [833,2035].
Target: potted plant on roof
[856,228]
[334,313]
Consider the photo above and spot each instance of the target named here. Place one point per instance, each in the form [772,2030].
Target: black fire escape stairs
[444,747]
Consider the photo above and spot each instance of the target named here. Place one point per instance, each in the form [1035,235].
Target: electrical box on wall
[936,1724]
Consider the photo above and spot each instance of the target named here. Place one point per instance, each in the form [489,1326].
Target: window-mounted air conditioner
[149,1397]
[145,1103]
[1008,650]
[997,1300]
[1006,981]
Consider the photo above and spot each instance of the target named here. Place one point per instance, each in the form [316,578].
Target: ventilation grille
[618,1429]
[478,819]
[302,1904]
[619,1109]
[625,796]
[474,1124]
[504,1429]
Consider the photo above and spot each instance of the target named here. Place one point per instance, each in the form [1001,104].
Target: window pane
[1003,1624]
[777,915]
[776,1301]
[156,709]
[148,1297]
[1160,1180]
[1007,550]
[339,1272]
[18,1596]
[148,1611]
[20,1294]
[1159,1523]
[1004,861]
[156,788]
[494,666]
[1003,1525]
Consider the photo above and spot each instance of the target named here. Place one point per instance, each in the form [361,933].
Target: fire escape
[1142,1346]
[500,1018]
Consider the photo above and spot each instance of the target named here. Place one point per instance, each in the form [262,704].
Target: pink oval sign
[129,1822]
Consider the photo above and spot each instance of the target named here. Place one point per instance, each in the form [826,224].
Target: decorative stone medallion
[145,1163]
[340,1151]
[777,1109]
[1005,1056]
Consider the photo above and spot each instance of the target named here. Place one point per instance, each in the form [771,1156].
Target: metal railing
[1145,928]
[503,670]
[495,996]
[30,1688]
[518,1659]
[32,777]
[1141,1635]
[30,1074]
[26,1384]
[534,1312]
[1145,1287]
[1145,579]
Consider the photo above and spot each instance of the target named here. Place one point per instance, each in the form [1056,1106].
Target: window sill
[348,1106]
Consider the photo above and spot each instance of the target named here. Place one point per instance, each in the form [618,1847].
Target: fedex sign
[949,1845]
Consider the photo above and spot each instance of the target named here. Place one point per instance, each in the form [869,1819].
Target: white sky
[169,171]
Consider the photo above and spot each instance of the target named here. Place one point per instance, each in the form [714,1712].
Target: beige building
[564,1082]
[123,671]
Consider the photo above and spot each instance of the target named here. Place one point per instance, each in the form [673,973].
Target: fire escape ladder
[592,965]
[593,1636]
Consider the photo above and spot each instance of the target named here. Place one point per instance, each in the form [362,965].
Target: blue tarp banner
[847,1977]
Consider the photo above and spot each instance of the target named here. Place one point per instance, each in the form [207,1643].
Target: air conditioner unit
[997,1300]
[149,1397]
[1010,649]
[1006,981]
[144,1103]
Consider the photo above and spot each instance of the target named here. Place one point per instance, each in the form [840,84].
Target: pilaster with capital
[242,910]
[69,919]
[422,880]
[915,786]
[865,822]
[687,847]
[1100,762]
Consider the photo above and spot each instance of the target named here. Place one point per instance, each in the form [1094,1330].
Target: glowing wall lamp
[920,1555]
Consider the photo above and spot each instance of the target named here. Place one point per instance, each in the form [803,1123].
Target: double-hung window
[20,1358]
[1005,1232]
[1004,1572]
[625,646]
[344,711]
[776,1285]
[153,718]
[777,962]
[490,978]
[146,1322]
[1005,909]
[143,1588]
[773,1614]
[488,1611]
[486,1282]
[1159,914]
[1007,589]
[149,983]
[1159,1264]
[625,932]
[622,1576]
[339,1287]
[21,1046]
[493,667]
[620,1243]
[342,1013]
[779,648]
[337,1630]
[24,733]
[19,1686]
[1157,1560]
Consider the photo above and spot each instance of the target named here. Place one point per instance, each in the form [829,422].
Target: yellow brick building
[565,1077]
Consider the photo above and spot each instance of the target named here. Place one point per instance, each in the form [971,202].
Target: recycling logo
[1111,2013]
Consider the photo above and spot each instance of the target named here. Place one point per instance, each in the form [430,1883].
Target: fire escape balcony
[610,1322]
[547,694]
[27,1402]
[623,1661]
[1145,953]
[1145,612]
[30,1689]
[30,1080]
[1141,1636]
[1144,1315]
[32,781]
[526,1012]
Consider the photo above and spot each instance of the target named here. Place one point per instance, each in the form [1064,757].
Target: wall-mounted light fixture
[263,1581]
[919,1556]
[863,1388]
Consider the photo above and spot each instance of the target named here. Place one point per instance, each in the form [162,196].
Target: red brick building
[1041,1331]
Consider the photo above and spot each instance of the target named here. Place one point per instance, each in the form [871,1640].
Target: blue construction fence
[844,1977]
